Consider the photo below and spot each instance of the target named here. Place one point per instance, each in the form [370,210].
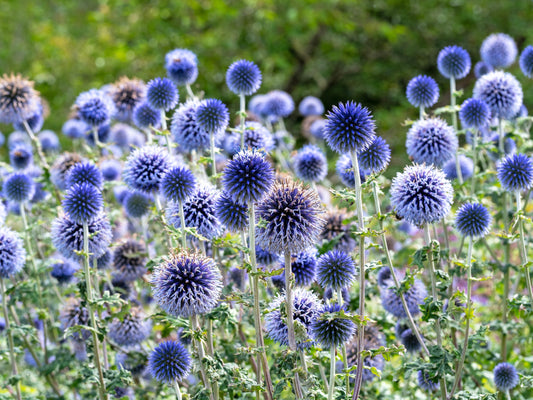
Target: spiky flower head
[187,284]
[133,329]
[61,167]
[265,257]
[526,61]
[144,116]
[292,218]
[233,215]
[505,376]
[123,135]
[465,164]
[129,260]
[515,172]
[19,101]
[502,92]
[18,187]
[185,129]
[454,62]
[481,68]
[181,66]
[310,164]
[21,156]
[73,314]
[373,339]
[344,168]
[318,128]
[303,266]
[169,362]
[475,113]
[212,115]
[111,169]
[414,297]
[256,137]
[84,172]
[430,384]
[336,230]
[83,203]
[95,107]
[63,270]
[145,168]
[243,77]
[422,91]
[407,337]
[137,204]
[178,183]
[473,220]
[499,50]
[12,253]
[278,104]
[431,141]
[311,105]
[162,94]
[127,93]
[75,128]
[335,270]
[350,127]
[375,157]
[330,330]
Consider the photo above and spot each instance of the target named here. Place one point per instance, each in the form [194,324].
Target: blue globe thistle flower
[84,172]
[526,61]
[502,93]
[75,128]
[466,165]
[243,77]
[248,177]
[212,115]
[331,331]
[407,337]
[421,194]
[21,157]
[49,141]
[318,128]
[264,257]
[474,113]
[422,91]
[129,260]
[73,314]
[18,187]
[178,183]
[127,93]
[232,214]
[310,164]
[137,204]
[344,169]
[306,308]
[473,220]
[278,104]
[63,270]
[12,253]
[181,66]
[303,266]
[521,113]
[120,192]
[335,270]
[330,294]
[311,105]
[350,127]
[111,169]
[385,277]
[169,362]
[35,122]
[145,168]
[515,172]
[481,68]
[509,146]
[255,105]
[144,116]
[292,218]
[373,339]
[133,329]
[18,138]
[131,362]
[61,167]
[162,94]
[375,157]
[187,284]
[95,107]
[256,137]
[83,202]
[123,135]
[426,382]
[336,230]
[454,62]
[19,101]
[105,260]
[237,277]
[414,296]
[185,129]
[498,50]
[431,141]
[505,376]
[67,236]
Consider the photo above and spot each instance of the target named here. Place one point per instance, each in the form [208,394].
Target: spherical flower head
[181,66]
[49,141]
[95,107]
[330,330]
[127,93]
[431,141]
[318,128]
[292,218]
[187,284]
[162,94]
[178,183]
[243,77]
[502,93]
[350,127]
[84,172]
[335,270]
[19,101]
[111,169]
[475,113]
[414,297]
[63,270]
[407,337]
[256,103]
[422,91]
[233,215]
[526,61]
[303,266]
[375,157]
[186,131]
[18,187]
[278,104]
[61,167]
[344,168]
[145,168]
[21,156]
[465,164]
[12,253]
[75,128]
[373,339]
[133,329]
[499,50]
[83,203]
[305,310]
[454,62]
[311,105]
[73,314]
[426,382]
[310,164]
[137,204]
[515,172]
[169,362]
[248,177]
[123,135]
[212,115]
[144,116]
[473,220]
[129,260]
[505,377]
[481,68]
[264,257]
[35,122]
[256,137]
[337,231]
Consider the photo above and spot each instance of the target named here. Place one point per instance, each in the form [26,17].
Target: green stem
[503,350]
[96,138]
[211,352]
[182,220]
[163,129]
[331,388]
[177,389]
[190,93]
[12,357]
[454,123]
[421,112]
[474,161]
[213,162]
[201,355]
[501,137]
[242,116]
[523,249]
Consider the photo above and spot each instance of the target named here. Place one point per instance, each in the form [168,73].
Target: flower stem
[95,137]
[523,249]
[211,352]
[501,137]
[12,357]
[421,112]
[213,162]
[454,123]
[177,389]
[190,93]
[163,129]
[182,220]
[242,116]
[331,388]
[474,161]
[201,355]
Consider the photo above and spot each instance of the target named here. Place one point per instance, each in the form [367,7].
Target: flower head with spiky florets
[265,257]
[49,141]
[330,330]
[19,101]
[344,168]
[454,62]
[186,131]
[375,157]
[475,113]
[336,270]
[212,115]
[233,215]
[310,164]
[502,93]
[426,382]
[127,93]
[12,253]
[407,337]
[243,77]
[145,168]
[431,141]
[473,220]
[169,362]
[311,105]
[61,167]
[178,183]
[162,94]
[318,128]
[129,260]
[75,128]
[422,91]
[144,116]
[95,107]
[84,172]
[499,50]
[278,104]
[414,297]
[336,230]
[123,135]
[526,61]
[111,169]
[134,328]
[137,204]
[18,187]
[515,172]
[481,68]
[465,164]
[83,203]
[187,284]
[63,270]
[373,339]
[181,66]
[505,376]
[73,314]
[303,266]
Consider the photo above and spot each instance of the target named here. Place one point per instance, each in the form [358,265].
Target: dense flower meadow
[180,249]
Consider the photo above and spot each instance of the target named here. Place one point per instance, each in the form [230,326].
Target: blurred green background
[335,49]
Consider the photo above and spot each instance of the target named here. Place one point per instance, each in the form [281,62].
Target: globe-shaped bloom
[473,220]
[123,135]
[75,128]
[137,204]
[95,107]
[350,127]
[292,218]
[454,62]
[330,330]
[303,266]
[256,137]
[63,270]
[248,177]
[407,337]
[127,93]
[335,270]
[186,131]
[145,168]
[465,164]
[111,169]
[421,194]
[344,168]
[311,105]
[278,104]
[73,314]
[169,362]
[426,382]
[375,157]
[187,284]
[162,94]
[318,128]
[475,113]
[422,91]
[264,257]
[481,68]
[414,297]
[129,260]
[233,215]
[18,187]
[243,77]
[310,164]
[337,231]
[515,172]
[502,93]
[18,138]
[35,122]
[499,50]
[181,66]
[83,203]
[61,167]
[256,103]
[431,141]
[84,172]
[373,339]
[133,329]
[12,253]
[144,116]
[19,101]
[178,183]
[21,156]
[526,61]
[505,376]
[49,141]
[212,115]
